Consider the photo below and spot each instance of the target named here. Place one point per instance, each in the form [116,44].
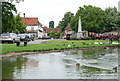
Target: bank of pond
[55,45]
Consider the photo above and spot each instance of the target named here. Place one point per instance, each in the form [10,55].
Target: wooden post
[25,43]
[17,43]
[111,39]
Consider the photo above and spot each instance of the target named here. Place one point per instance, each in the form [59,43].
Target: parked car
[101,36]
[64,37]
[9,37]
[46,37]
[31,37]
[106,36]
[24,37]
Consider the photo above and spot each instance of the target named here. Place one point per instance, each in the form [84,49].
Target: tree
[19,26]
[112,16]
[51,24]
[92,19]
[54,34]
[11,23]
[67,18]
[7,17]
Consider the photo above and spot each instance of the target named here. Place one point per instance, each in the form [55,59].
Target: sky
[54,10]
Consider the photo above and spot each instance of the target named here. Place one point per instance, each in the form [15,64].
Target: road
[31,42]
[36,41]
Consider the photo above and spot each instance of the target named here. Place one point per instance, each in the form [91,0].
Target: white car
[9,37]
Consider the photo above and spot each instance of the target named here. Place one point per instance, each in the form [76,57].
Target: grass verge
[52,45]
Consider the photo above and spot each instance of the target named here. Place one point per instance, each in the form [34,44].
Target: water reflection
[32,63]
[11,65]
[93,64]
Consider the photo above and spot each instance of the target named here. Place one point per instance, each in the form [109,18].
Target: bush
[54,35]
[74,38]
[86,38]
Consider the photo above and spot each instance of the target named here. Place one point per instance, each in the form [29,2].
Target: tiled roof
[30,21]
[45,27]
[52,30]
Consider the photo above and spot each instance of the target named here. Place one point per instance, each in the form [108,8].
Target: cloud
[47,10]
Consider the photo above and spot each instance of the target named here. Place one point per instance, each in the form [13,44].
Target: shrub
[54,35]
[74,38]
[86,38]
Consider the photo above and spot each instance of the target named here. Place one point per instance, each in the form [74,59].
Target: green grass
[50,45]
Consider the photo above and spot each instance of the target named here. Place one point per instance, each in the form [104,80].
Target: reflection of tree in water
[93,72]
[90,63]
[94,53]
[10,64]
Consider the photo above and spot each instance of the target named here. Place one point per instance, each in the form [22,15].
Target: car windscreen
[6,34]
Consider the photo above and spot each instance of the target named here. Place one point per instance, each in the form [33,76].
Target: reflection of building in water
[32,63]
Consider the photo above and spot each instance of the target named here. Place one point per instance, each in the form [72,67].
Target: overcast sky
[54,10]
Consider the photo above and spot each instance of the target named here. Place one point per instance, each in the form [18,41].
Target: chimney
[24,14]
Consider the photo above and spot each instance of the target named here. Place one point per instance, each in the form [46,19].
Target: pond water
[94,64]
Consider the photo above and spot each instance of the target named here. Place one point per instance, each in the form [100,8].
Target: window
[32,27]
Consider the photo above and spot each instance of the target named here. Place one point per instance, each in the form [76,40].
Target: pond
[98,63]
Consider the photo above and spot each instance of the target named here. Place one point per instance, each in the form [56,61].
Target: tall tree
[67,18]
[112,17]
[92,19]
[51,24]
[8,17]
[11,23]
[19,26]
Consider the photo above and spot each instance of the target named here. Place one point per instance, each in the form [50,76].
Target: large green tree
[19,26]
[8,17]
[112,19]
[67,18]
[11,23]
[92,19]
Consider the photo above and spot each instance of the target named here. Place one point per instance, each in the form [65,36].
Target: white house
[33,26]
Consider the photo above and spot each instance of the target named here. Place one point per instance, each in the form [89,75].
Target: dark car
[24,37]
[31,37]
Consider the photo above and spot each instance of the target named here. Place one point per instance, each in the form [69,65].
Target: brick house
[47,30]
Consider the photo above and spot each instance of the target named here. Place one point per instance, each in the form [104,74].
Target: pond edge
[50,51]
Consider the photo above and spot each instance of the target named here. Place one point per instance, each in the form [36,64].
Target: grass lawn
[51,45]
